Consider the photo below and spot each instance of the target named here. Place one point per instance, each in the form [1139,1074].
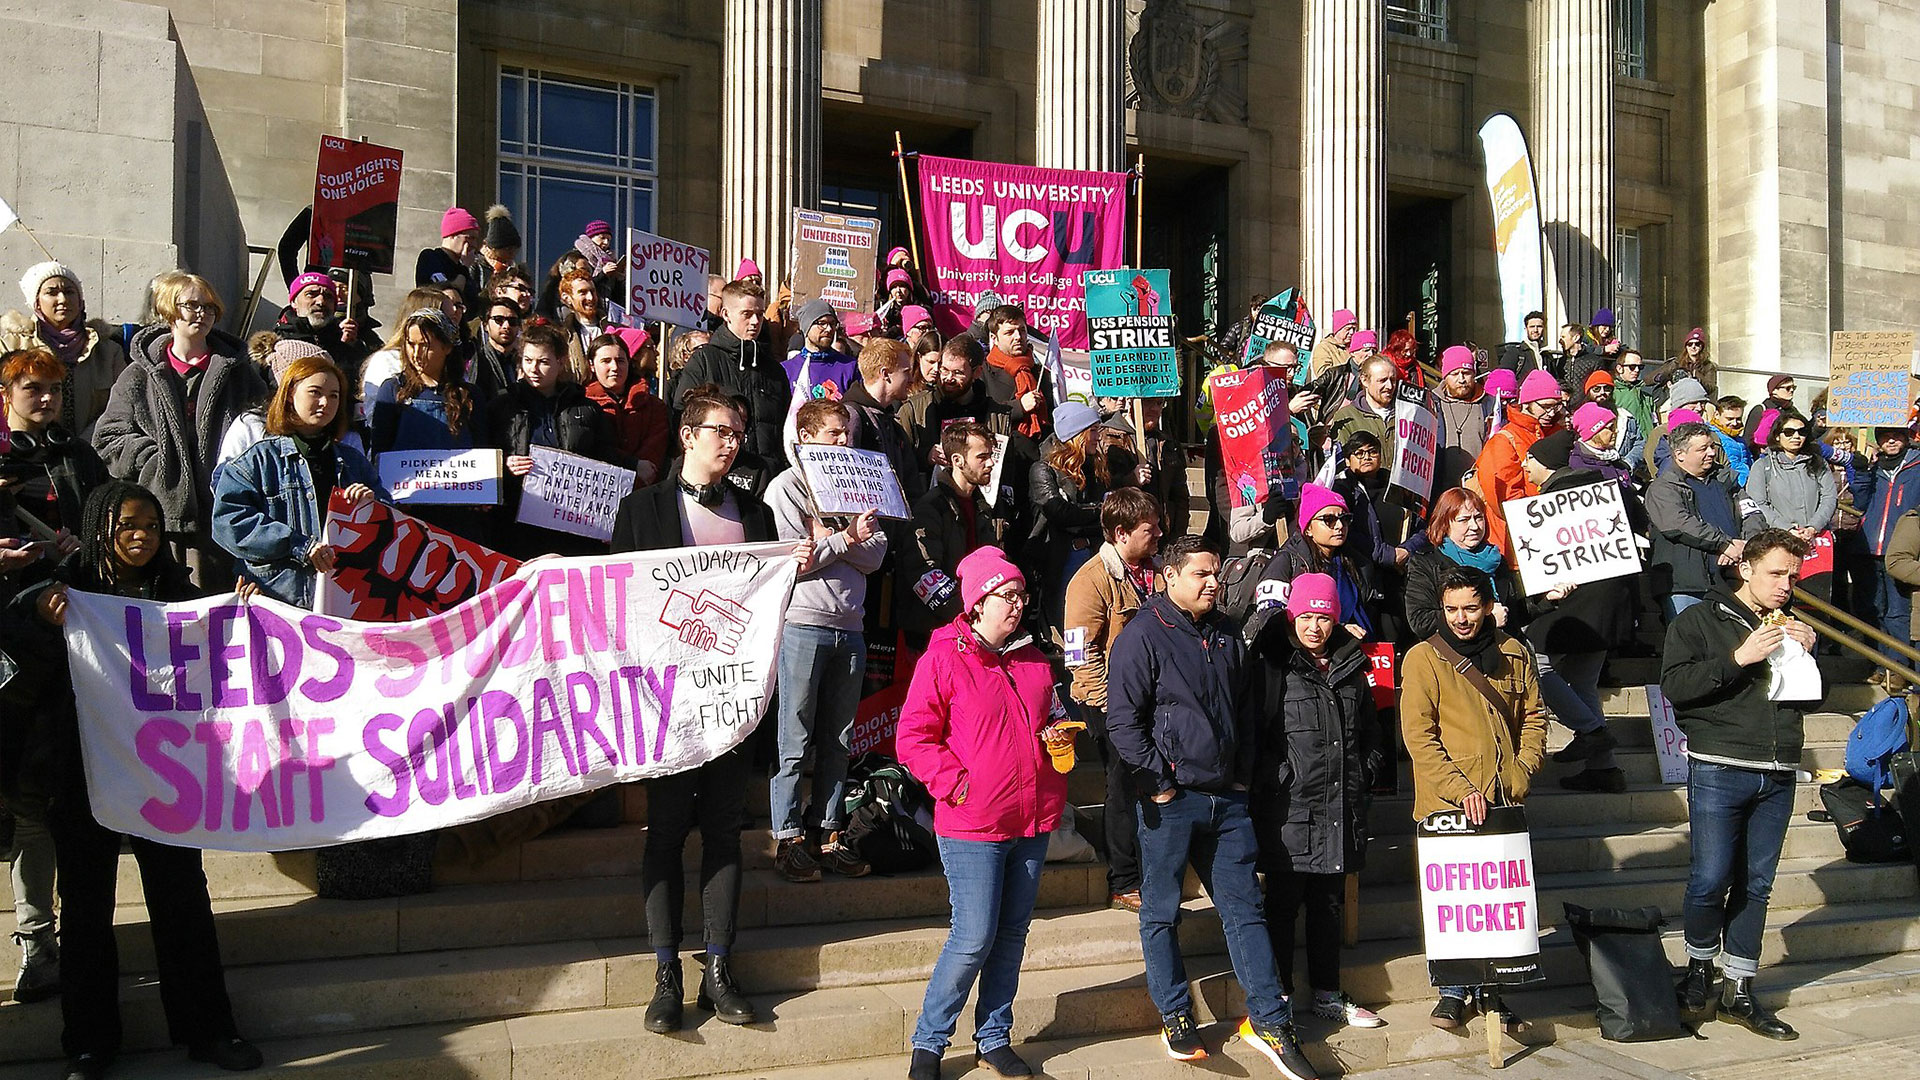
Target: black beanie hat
[501,235]
[1554,450]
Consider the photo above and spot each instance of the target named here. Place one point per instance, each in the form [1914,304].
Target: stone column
[769,130]
[1573,154]
[1343,154]
[1080,115]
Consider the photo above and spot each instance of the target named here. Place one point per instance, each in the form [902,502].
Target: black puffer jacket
[751,373]
[1427,569]
[582,429]
[1317,756]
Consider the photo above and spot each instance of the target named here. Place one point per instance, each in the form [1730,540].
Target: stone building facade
[1750,166]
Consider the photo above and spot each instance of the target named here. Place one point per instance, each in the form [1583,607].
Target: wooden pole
[1490,1012]
[906,193]
[36,242]
[1139,211]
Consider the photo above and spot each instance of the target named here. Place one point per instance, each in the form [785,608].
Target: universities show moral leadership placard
[260,727]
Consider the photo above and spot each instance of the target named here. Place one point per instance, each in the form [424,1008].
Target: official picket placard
[846,481]
[1571,537]
[1416,445]
[392,567]
[1130,330]
[1669,742]
[1870,379]
[992,491]
[356,205]
[666,280]
[572,494]
[256,726]
[1478,907]
[1250,410]
[833,259]
[1283,318]
[442,477]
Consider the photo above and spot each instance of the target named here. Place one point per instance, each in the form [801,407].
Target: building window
[572,151]
[1630,38]
[1423,19]
[1626,286]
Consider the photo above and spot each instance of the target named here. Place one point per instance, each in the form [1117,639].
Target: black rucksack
[888,812]
[1871,833]
[1632,981]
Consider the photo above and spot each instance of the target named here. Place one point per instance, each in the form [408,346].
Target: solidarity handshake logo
[709,622]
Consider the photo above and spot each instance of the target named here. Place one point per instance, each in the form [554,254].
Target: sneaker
[1181,1038]
[1340,1008]
[233,1054]
[1125,901]
[1607,781]
[1281,1046]
[1451,1013]
[39,967]
[1586,744]
[840,859]
[795,862]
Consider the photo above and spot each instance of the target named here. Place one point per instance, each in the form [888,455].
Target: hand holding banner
[392,567]
[1478,906]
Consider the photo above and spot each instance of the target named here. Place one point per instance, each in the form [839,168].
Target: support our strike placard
[1130,331]
[666,280]
[572,494]
[260,727]
[1571,537]
[1478,906]
[441,477]
[846,481]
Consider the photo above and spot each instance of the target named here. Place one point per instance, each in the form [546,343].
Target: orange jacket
[1498,470]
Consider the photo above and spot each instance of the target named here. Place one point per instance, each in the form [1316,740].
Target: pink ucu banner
[1023,234]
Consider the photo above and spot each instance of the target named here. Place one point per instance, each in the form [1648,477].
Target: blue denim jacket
[264,512]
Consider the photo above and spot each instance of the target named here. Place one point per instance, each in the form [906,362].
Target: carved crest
[1175,61]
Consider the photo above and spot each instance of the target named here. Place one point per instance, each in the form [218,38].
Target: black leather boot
[1697,1000]
[669,994]
[1739,1006]
[719,993]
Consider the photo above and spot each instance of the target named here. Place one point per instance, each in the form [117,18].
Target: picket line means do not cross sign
[1571,537]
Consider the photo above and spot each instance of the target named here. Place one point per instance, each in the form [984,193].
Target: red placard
[1820,559]
[1250,409]
[356,205]
[391,567]
[1382,675]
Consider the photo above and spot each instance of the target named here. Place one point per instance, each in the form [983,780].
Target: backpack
[889,816]
[1869,833]
[1876,737]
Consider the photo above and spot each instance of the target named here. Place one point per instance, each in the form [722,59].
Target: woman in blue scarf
[1459,537]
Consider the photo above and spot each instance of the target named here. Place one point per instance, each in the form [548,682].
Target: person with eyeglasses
[1632,396]
[1322,545]
[1699,518]
[186,383]
[1790,481]
[984,729]
[697,505]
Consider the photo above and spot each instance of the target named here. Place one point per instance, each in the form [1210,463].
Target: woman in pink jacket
[978,717]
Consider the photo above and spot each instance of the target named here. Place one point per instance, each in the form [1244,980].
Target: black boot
[1696,991]
[669,993]
[1739,1006]
[719,993]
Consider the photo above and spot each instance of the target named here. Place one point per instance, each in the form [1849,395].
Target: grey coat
[148,436]
[1686,547]
[1788,494]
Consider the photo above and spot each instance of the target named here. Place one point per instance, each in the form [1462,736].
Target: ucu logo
[994,234]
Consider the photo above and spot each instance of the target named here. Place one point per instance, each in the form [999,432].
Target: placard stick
[1139,211]
[906,192]
[1490,1012]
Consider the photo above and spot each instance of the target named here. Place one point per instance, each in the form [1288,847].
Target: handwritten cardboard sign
[573,494]
[666,280]
[849,481]
[1870,378]
[1571,537]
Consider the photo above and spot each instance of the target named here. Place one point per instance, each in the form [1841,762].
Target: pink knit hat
[311,277]
[1539,386]
[913,315]
[1314,498]
[1501,383]
[1340,321]
[899,277]
[598,228]
[634,338]
[1590,418]
[1363,339]
[456,221]
[894,254]
[1683,416]
[982,571]
[1455,358]
[1313,594]
[747,268]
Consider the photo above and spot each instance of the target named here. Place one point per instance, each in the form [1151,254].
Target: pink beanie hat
[1340,321]
[894,254]
[634,338]
[1313,594]
[1590,418]
[1539,386]
[897,276]
[1683,416]
[1363,339]
[457,220]
[747,268]
[1501,383]
[982,571]
[1314,498]
[1763,430]
[913,315]
[311,277]
[1454,358]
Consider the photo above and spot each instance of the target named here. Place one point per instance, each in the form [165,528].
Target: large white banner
[262,727]
[1516,222]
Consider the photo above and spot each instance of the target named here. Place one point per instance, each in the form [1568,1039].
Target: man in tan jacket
[1103,594]
[1469,754]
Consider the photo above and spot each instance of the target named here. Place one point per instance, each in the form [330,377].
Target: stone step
[1575,849]
[1551,807]
[1642,764]
[1636,731]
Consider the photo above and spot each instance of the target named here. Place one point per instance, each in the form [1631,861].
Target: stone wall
[106,155]
[1876,190]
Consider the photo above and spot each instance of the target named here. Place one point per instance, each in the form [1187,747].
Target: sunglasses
[1334,521]
[1796,432]
[1631,367]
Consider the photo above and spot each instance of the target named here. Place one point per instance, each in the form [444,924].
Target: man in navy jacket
[1884,491]
[1179,713]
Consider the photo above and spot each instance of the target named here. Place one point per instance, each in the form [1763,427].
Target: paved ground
[1843,1040]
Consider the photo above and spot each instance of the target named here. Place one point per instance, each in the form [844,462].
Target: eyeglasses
[1011,599]
[196,307]
[1789,388]
[1335,521]
[721,431]
[1364,451]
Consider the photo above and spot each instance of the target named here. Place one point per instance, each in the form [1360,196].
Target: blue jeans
[1676,603]
[1570,683]
[821,674]
[991,885]
[1738,818]
[1893,608]
[1215,834]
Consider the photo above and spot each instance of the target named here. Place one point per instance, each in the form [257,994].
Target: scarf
[323,464]
[66,344]
[1485,558]
[1026,378]
[1478,648]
